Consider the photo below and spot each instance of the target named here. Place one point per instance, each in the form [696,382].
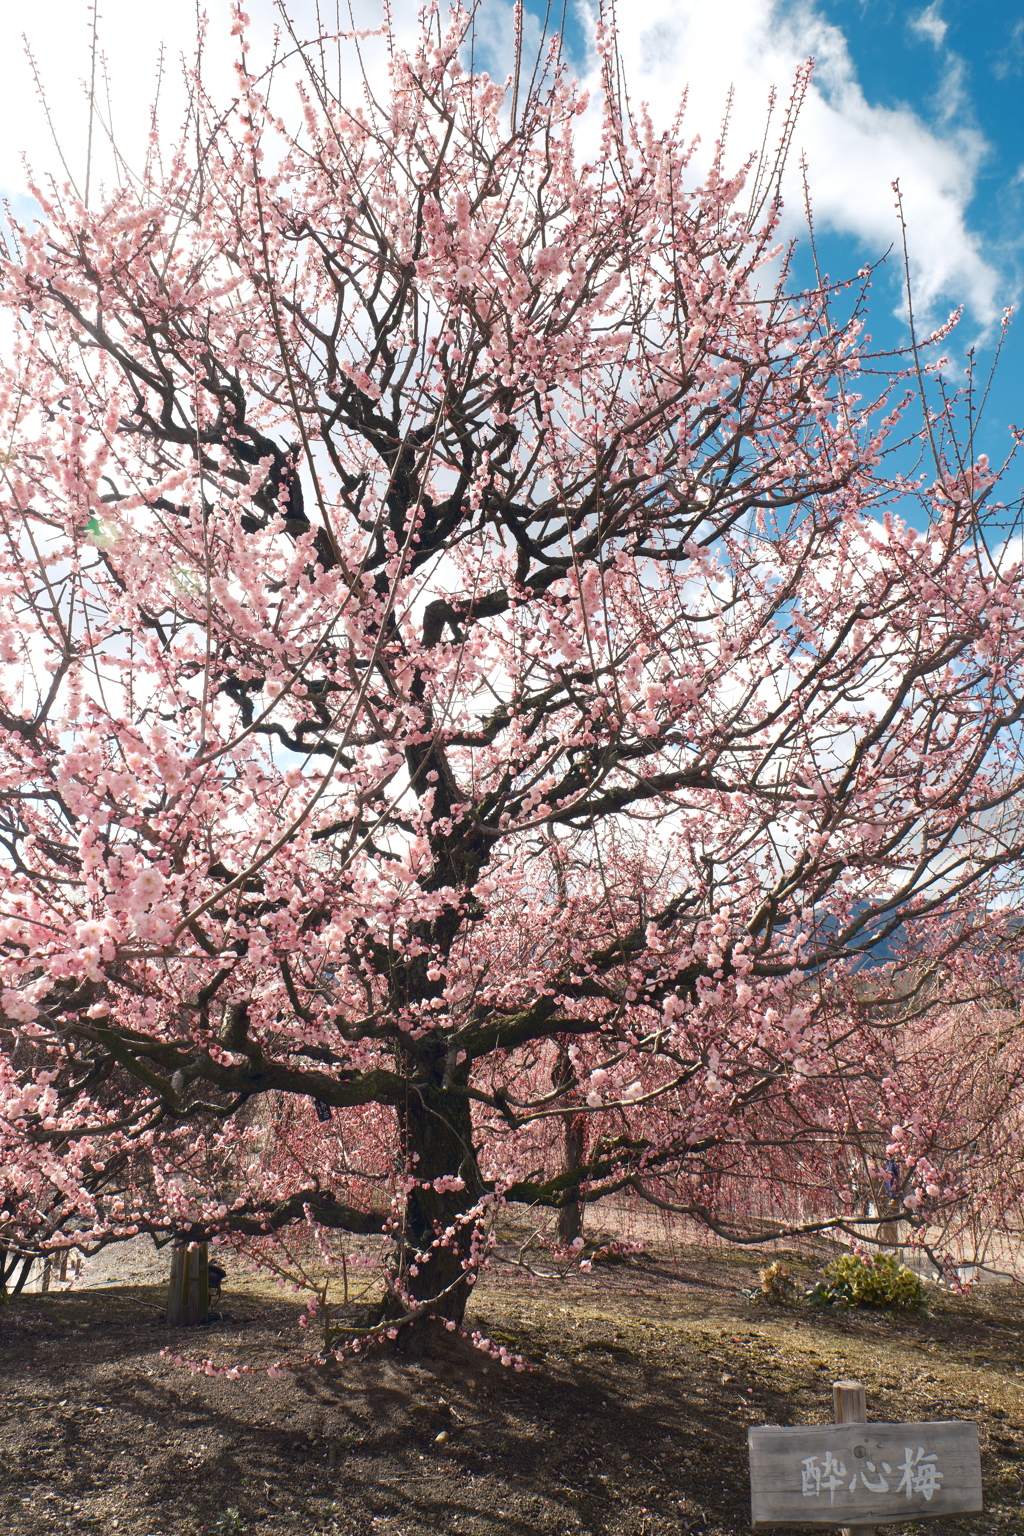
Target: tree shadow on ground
[632,1421]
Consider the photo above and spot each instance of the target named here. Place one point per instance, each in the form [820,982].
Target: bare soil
[632,1421]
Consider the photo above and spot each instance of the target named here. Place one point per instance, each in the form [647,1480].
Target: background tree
[465,670]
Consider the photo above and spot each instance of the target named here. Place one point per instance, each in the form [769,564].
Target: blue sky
[962,58]
[963,62]
[954,67]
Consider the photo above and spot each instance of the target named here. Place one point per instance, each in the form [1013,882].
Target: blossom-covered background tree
[473,700]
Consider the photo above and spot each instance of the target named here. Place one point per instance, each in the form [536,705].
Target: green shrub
[866,1280]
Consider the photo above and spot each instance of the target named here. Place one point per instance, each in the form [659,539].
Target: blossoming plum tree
[468,676]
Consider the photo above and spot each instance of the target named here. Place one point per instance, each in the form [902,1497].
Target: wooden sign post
[850,1406]
[855,1475]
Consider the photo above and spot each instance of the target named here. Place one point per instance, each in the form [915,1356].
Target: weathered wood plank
[858,1474]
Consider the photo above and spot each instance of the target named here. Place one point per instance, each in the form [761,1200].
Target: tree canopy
[479,724]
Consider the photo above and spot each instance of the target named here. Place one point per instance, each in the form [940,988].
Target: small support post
[192,1303]
[188,1300]
[203,1266]
[178,1253]
[849,1406]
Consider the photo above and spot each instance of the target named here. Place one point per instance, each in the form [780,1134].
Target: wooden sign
[860,1474]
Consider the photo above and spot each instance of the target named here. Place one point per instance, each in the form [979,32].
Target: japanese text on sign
[824,1474]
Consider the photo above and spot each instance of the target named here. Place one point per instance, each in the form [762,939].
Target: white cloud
[952,103]
[494,40]
[854,149]
[929,24]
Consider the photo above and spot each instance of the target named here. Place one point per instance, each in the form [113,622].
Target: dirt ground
[632,1422]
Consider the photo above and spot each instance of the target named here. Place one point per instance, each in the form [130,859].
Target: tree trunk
[434,1259]
[25,1271]
[574,1141]
[570,1216]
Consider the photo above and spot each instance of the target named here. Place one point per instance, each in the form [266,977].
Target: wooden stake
[849,1406]
[203,1260]
[193,1287]
[188,1298]
[174,1288]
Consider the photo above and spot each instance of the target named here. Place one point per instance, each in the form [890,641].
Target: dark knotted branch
[180,1067]
[253,1221]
